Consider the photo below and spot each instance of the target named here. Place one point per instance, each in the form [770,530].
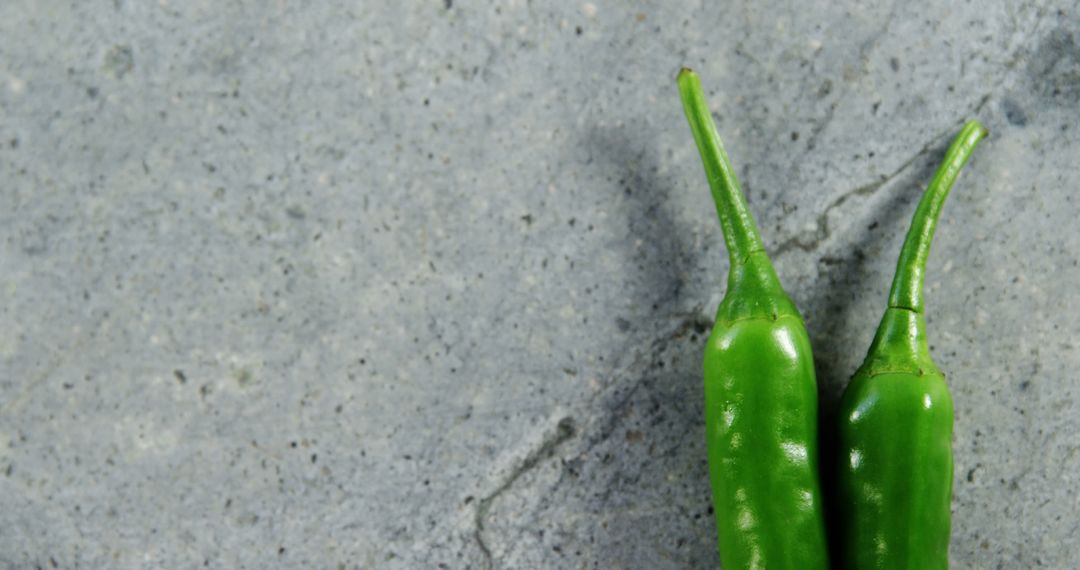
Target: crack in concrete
[695,322]
[982,103]
[822,230]
[816,130]
[564,430]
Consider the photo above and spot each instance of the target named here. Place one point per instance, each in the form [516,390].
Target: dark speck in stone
[1014,113]
[120,60]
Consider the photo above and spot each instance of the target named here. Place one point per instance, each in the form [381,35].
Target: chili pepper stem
[907,285]
[740,231]
[753,289]
[900,342]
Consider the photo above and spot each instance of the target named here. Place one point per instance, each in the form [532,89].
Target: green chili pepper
[760,392]
[896,415]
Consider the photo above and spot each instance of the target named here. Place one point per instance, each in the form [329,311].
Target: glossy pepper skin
[760,392]
[896,415]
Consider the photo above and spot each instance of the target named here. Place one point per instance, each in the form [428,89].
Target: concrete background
[426,284]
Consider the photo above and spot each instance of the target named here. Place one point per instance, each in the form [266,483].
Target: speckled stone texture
[425,284]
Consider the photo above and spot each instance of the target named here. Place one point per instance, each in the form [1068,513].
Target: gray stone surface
[425,284]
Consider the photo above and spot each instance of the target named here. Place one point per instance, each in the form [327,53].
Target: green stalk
[753,289]
[740,231]
[907,285]
[900,342]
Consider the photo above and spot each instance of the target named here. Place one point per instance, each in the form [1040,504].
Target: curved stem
[907,285]
[740,231]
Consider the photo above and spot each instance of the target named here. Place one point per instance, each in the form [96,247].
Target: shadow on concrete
[652,477]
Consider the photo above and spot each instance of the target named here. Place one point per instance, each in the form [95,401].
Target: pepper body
[760,390]
[895,470]
[761,413]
